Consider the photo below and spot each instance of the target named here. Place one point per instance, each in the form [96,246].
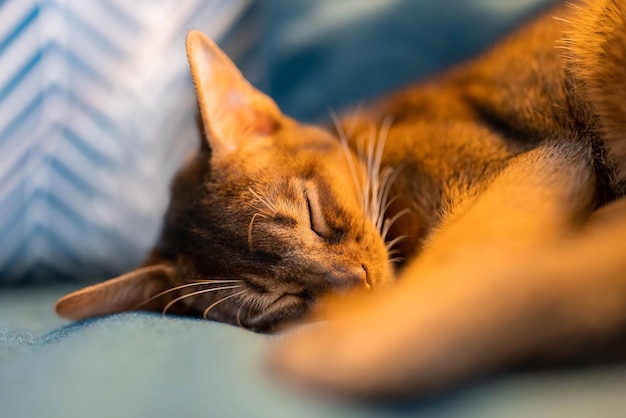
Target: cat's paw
[340,353]
[377,346]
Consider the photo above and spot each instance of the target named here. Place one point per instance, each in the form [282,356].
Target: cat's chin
[285,311]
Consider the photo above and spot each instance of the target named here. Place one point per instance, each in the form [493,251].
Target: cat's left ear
[232,110]
[139,289]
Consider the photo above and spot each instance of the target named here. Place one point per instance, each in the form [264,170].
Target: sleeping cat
[447,185]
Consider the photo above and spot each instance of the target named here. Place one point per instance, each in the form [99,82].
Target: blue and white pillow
[96,113]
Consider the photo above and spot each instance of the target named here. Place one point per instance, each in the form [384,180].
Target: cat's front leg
[521,273]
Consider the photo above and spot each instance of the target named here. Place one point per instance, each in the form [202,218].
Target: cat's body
[454,133]
[495,158]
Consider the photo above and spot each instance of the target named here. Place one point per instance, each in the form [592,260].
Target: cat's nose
[349,278]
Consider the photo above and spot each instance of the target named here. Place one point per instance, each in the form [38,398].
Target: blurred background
[97,108]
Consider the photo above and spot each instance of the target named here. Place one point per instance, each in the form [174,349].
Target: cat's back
[560,75]
[452,133]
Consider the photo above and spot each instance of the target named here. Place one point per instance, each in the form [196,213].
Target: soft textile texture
[143,365]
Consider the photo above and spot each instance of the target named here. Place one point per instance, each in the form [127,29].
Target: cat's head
[268,216]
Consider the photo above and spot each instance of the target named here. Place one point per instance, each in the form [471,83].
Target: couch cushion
[96,113]
[145,365]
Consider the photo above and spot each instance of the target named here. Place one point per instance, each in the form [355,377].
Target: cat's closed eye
[318,222]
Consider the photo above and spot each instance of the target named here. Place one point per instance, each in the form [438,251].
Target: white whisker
[360,153]
[239,316]
[393,242]
[206,311]
[379,179]
[375,189]
[389,222]
[346,148]
[372,173]
[261,210]
[382,138]
[196,283]
[250,228]
[387,188]
[263,200]
[382,197]
[199,292]
[389,203]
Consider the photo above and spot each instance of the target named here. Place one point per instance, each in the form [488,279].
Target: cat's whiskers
[379,180]
[381,184]
[199,292]
[383,202]
[251,300]
[262,210]
[390,244]
[560,19]
[250,226]
[348,154]
[390,221]
[183,286]
[372,177]
[239,316]
[265,201]
[211,306]
[374,186]
[574,5]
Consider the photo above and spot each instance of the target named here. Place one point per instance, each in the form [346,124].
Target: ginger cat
[476,205]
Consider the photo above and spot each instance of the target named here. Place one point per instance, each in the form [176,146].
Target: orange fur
[595,42]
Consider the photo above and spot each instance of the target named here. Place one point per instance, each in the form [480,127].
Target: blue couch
[309,56]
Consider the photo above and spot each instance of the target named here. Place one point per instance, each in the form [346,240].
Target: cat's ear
[131,291]
[232,110]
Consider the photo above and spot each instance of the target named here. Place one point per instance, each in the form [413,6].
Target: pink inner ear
[258,122]
[237,122]
[250,112]
[265,125]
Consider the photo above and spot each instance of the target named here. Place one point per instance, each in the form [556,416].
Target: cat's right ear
[233,112]
[131,291]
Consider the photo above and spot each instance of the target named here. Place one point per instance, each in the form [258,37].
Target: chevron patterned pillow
[96,113]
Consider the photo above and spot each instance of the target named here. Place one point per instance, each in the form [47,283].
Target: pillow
[97,112]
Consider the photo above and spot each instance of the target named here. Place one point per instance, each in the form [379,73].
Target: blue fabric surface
[145,365]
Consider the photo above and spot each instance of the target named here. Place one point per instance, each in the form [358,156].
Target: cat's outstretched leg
[524,272]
